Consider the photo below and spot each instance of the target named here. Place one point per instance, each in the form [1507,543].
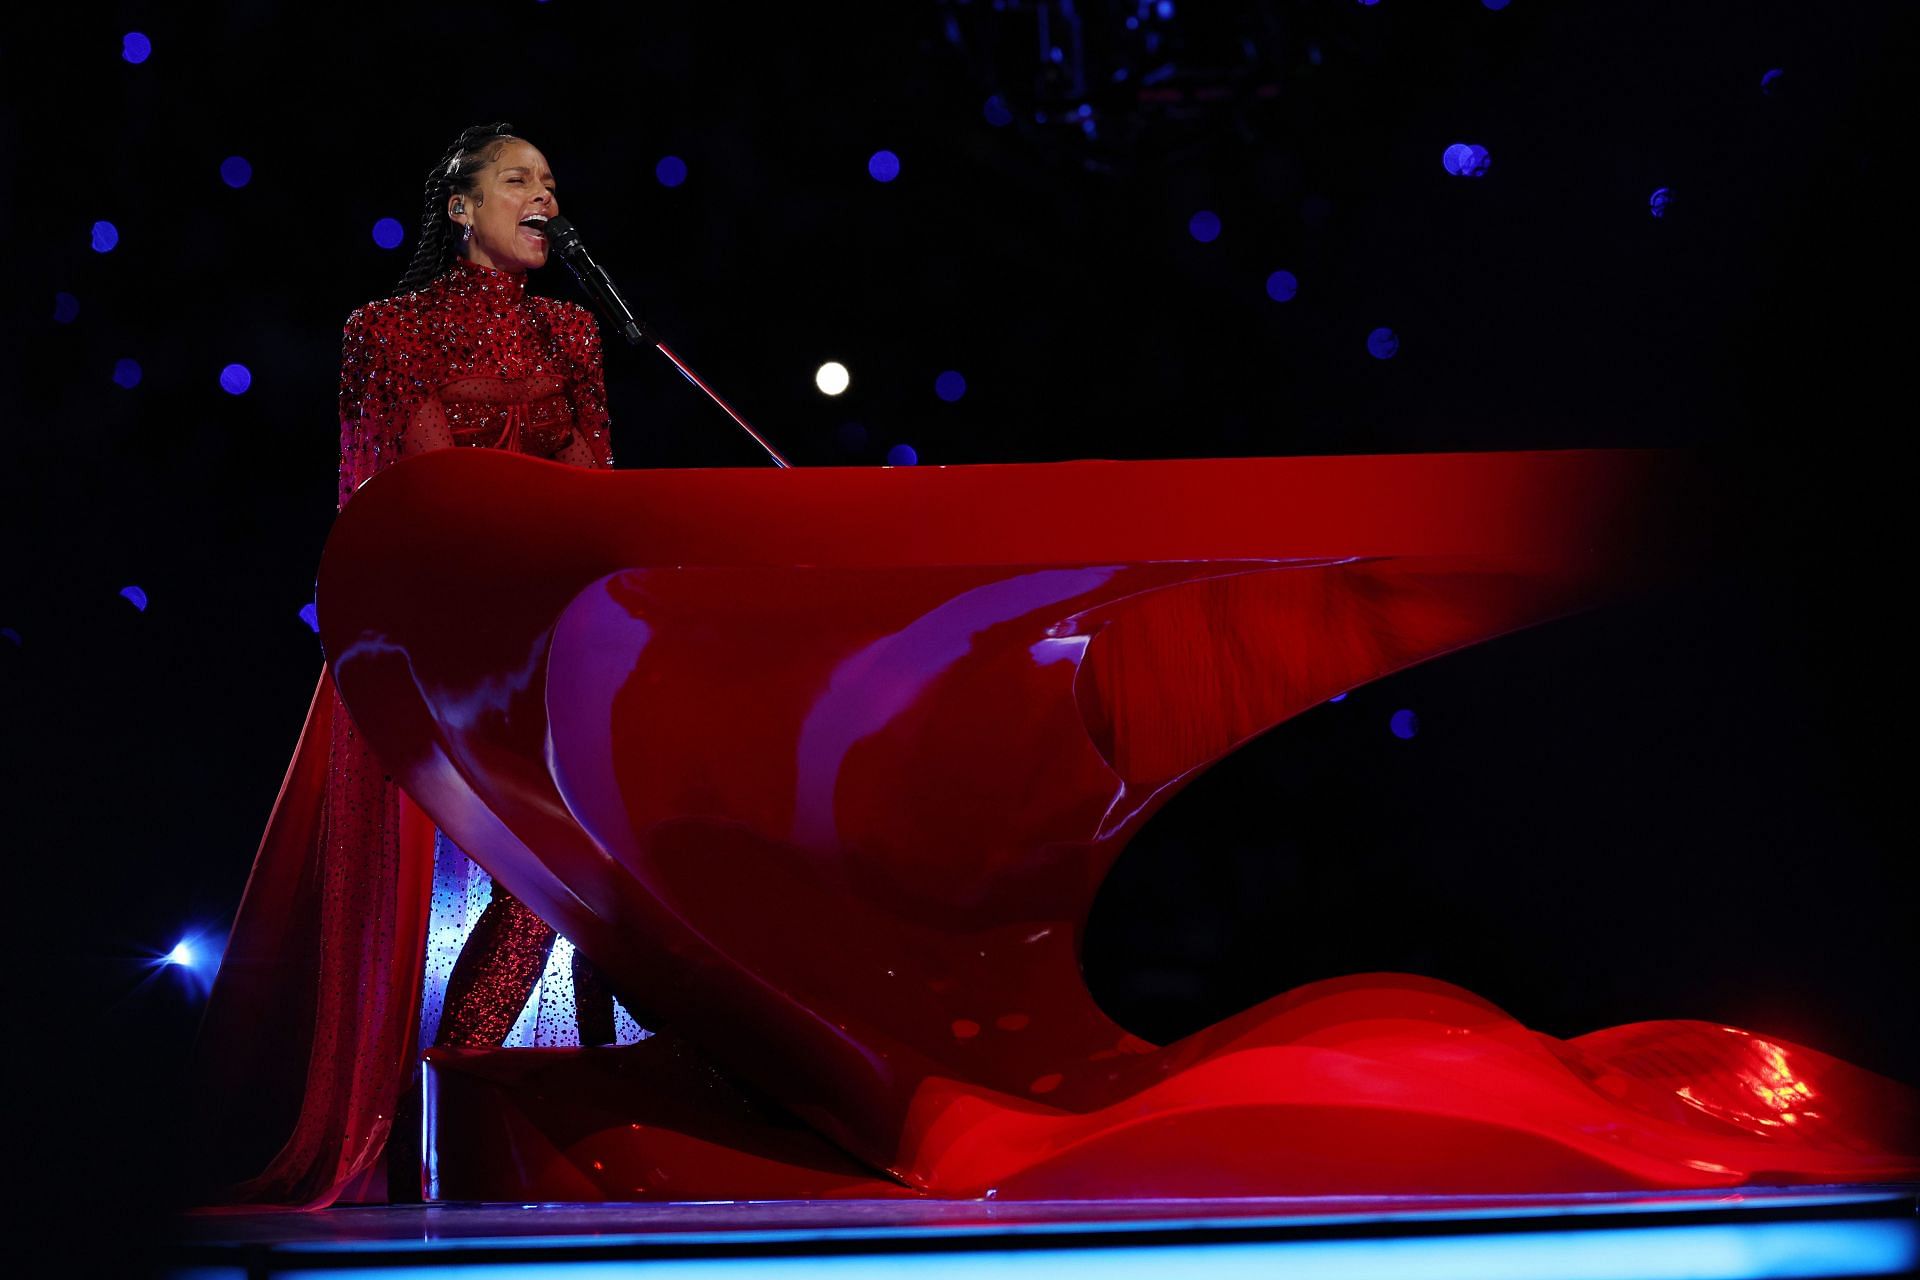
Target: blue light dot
[105,236]
[1338,697]
[1383,344]
[1770,82]
[1204,226]
[671,171]
[902,455]
[236,172]
[235,379]
[1368,4]
[388,233]
[1495,5]
[1404,724]
[1164,8]
[884,166]
[311,616]
[1282,285]
[66,308]
[950,386]
[997,112]
[135,47]
[1466,160]
[1657,202]
[182,954]
[135,596]
[126,372]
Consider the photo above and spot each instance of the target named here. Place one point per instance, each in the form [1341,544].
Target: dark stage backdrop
[1686,807]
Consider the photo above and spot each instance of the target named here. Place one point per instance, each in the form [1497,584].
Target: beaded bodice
[470,359]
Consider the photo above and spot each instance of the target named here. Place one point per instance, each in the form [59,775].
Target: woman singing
[311,1033]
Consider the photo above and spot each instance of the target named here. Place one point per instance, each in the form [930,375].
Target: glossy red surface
[824,767]
[646,1121]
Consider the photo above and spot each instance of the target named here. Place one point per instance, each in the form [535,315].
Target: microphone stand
[595,283]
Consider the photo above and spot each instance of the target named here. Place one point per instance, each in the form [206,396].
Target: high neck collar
[466,279]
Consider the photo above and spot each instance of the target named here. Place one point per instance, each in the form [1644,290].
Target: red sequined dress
[310,1032]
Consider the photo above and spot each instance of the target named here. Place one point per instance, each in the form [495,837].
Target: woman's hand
[428,430]
[576,453]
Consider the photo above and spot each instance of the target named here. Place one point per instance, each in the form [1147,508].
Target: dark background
[1689,806]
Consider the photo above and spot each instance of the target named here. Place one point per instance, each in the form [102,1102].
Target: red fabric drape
[310,1028]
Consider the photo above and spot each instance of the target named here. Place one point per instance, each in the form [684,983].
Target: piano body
[824,767]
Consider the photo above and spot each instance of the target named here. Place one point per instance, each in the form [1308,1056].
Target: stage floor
[1751,1232]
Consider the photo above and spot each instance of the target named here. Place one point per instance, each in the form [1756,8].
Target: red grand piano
[823,768]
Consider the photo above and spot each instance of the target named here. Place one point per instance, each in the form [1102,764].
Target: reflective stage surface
[1749,1232]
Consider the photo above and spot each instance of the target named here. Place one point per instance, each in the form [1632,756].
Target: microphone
[565,239]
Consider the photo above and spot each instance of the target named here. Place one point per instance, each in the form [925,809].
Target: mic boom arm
[596,284]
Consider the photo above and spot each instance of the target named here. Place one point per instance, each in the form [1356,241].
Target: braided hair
[455,172]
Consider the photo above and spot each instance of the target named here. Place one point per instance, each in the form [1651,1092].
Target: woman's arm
[376,371]
[592,442]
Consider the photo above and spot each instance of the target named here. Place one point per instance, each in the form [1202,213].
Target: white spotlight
[831,378]
[181,954]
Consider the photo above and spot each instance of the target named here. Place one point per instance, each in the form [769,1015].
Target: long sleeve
[381,385]
[592,445]
[369,438]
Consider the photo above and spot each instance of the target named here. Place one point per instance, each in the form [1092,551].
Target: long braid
[435,249]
